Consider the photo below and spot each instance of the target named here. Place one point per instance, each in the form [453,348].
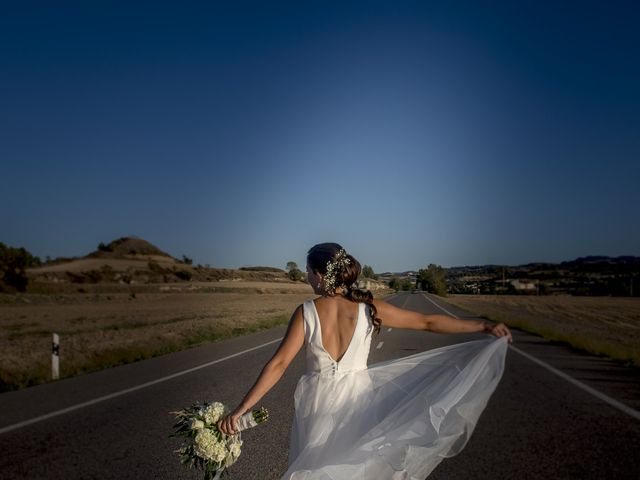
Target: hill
[132,260]
[127,247]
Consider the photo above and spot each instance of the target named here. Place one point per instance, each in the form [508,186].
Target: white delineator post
[55,357]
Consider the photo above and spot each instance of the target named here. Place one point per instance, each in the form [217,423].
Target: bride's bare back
[338,317]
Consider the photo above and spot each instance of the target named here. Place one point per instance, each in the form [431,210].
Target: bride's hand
[228,424]
[499,330]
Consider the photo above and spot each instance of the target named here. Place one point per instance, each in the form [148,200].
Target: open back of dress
[393,420]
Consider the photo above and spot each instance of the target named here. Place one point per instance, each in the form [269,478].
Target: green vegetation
[293,272]
[432,279]
[127,246]
[156,268]
[367,272]
[584,276]
[401,284]
[13,262]
[259,269]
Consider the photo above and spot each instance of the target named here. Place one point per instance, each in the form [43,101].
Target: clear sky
[242,133]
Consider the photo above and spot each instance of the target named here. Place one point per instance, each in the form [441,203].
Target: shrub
[183,274]
[94,276]
[155,267]
[13,262]
[293,272]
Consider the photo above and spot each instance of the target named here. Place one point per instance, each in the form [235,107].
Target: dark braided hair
[317,258]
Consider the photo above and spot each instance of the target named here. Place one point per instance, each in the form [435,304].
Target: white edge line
[605,398]
[127,390]
[379,346]
[442,308]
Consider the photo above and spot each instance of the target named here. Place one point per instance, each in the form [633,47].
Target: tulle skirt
[394,420]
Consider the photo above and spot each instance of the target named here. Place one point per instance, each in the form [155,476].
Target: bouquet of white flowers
[209,449]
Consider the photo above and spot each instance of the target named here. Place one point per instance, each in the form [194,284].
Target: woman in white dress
[393,420]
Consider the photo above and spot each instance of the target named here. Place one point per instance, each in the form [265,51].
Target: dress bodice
[318,359]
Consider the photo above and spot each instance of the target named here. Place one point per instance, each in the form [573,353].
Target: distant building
[526,285]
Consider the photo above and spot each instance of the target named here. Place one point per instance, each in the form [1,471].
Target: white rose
[213,413]
[205,440]
[197,424]
[208,446]
[235,450]
[219,452]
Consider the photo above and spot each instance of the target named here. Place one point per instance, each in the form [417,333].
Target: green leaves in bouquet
[261,415]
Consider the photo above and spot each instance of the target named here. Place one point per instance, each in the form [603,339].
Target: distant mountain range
[590,275]
[588,263]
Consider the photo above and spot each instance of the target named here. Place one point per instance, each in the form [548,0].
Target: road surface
[556,413]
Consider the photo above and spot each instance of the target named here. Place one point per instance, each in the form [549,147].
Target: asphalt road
[554,414]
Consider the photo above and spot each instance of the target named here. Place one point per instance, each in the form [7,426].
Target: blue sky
[243,133]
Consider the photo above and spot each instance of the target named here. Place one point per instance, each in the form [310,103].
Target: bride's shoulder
[311,301]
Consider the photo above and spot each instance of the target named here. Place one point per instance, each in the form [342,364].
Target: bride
[393,420]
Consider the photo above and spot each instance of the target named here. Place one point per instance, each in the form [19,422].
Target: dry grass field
[129,301]
[99,329]
[106,325]
[602,325]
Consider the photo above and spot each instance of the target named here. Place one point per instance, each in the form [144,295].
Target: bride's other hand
[271,373]
[499,330]
[228,424]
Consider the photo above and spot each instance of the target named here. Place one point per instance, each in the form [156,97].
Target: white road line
[127,390]
[379,346]
[389,329]
[442,308]
[605,398]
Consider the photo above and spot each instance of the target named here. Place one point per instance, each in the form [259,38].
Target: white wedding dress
[392,420]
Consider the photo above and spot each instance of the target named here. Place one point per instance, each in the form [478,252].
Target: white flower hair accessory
[334,267]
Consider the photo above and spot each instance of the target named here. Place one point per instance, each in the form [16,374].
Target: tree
[400,284]
[368,272]
[432,279]
[294,272]
[13,262]
[187,260]
[406,284]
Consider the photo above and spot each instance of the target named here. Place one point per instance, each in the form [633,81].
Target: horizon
[415,269]
[409,132]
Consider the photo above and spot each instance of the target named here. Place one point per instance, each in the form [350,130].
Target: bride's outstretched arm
[393,316]
[272,371]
